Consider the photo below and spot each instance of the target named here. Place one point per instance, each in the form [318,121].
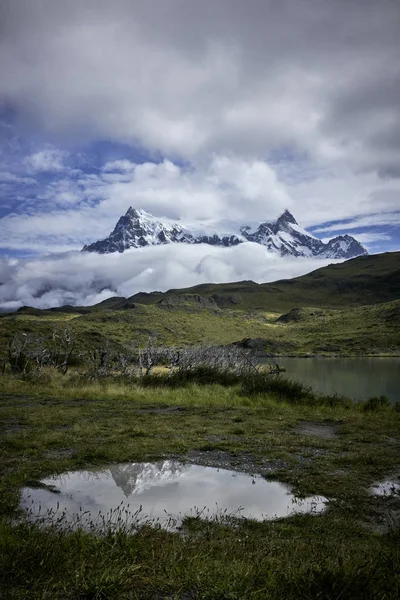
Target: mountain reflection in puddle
[386,488]
[163,492]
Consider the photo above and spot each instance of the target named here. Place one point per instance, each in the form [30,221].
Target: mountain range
[138,228]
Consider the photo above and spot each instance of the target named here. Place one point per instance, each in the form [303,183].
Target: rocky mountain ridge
[138,228]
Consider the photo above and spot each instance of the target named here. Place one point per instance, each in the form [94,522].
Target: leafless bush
[149,356]
[28,352]
[131,361]
[218,357]
[233,359]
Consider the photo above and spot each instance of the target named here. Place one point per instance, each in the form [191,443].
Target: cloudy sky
[198,110]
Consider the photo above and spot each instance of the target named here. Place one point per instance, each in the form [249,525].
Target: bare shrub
[129,362]
[28,352]
[229,358]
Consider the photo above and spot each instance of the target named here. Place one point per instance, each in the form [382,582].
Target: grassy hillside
[347,308]
[191,323]
[373,329]
[363,280]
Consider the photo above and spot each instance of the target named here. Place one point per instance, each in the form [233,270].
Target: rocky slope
[138,228]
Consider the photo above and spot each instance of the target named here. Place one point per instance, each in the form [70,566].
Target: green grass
[360,330]
[364,330]
[60,424]
[130,327]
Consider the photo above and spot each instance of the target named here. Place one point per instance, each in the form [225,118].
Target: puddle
[131,494]
[386,488]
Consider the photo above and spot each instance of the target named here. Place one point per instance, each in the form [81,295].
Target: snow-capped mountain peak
[138,228]
[287,217]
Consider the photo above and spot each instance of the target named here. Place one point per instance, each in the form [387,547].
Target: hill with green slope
[364,280]
[349,308]
[371,329]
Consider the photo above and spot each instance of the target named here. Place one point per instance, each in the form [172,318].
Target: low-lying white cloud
[80,278]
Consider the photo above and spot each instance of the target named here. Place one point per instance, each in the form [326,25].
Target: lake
[358,378]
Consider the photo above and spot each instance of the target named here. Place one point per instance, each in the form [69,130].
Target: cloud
[345,196]
[44,232]
[80,210]
[8,178]
[75,206]
[48,159]
[371,220]
[237,111]
[83,278]
[317,79]
[122,166]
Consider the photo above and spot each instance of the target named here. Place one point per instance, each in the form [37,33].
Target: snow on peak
[287,217]
[138,228]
